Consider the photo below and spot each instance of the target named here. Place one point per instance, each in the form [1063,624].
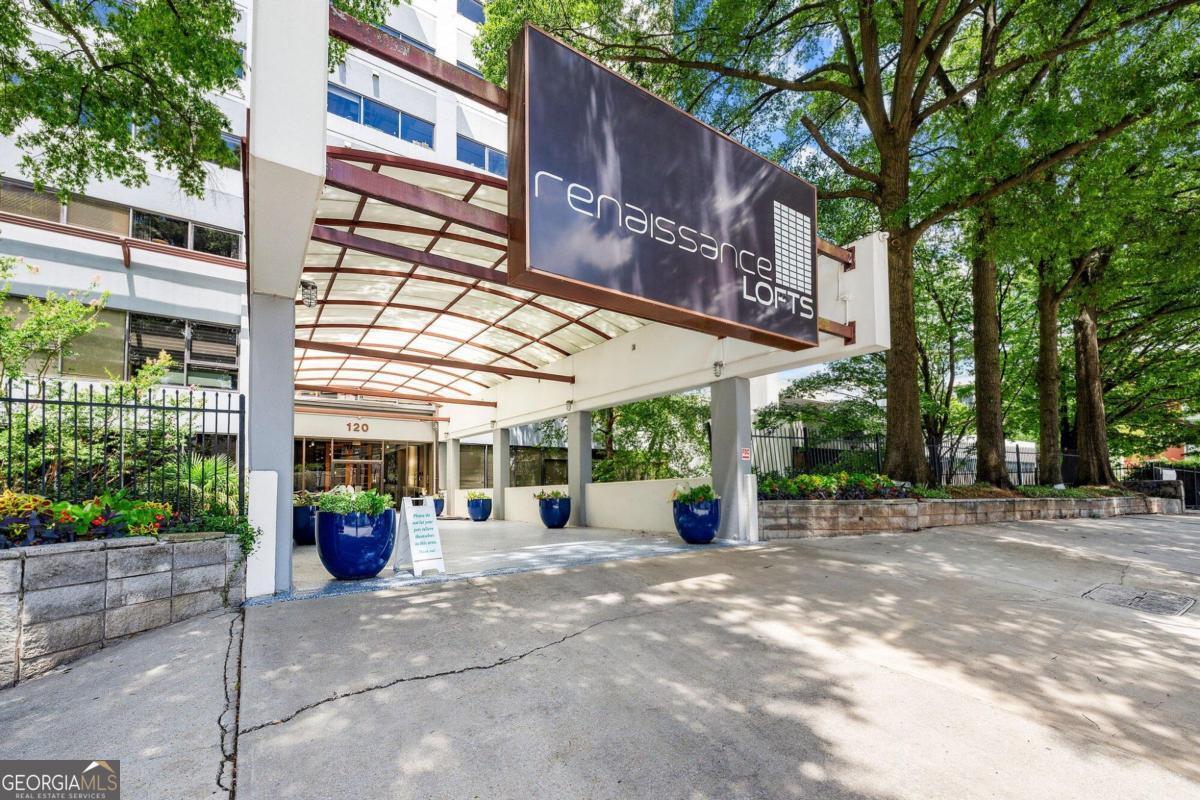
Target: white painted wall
[520,505]
[333,426]
[635,505]
[154,283]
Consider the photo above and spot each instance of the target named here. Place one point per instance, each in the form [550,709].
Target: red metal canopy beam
[378,186]
[842,254]
[395,227]
[844,330]
[395,51]
[398,252]
[347,412]
[420,398]
[449,363]
[416,165]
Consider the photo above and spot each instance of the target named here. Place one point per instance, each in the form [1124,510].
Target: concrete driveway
[951,663]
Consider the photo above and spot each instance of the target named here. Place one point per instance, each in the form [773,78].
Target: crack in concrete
[227,722]
[450,672]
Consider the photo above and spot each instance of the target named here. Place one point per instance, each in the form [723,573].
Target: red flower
[158,517]
[97,522]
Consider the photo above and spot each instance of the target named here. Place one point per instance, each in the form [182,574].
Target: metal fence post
[1020,481]
[878,455]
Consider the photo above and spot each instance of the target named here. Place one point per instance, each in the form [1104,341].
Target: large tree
[877,87]
[117,85]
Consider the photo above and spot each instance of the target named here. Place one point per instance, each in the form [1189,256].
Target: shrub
[838,486]
[929,493]
[552,494]
[694,494]
[346,500]
[305,498]
[28,519]
[1077,492]
[228,524]
[477,495]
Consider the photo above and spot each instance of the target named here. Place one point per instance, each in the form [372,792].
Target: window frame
[188,360]
[472,4]
[488,153]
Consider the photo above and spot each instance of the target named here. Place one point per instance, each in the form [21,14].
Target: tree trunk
[1091,426]
[905,460]
[991,465]
[1049,470]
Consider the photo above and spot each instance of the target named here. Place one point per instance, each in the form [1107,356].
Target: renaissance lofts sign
[621,201]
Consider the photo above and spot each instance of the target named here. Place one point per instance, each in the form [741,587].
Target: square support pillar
[269,435]
[500,439]
[579,463]
[731,429]
[452,470]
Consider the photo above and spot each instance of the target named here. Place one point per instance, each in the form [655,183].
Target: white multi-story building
[173,266]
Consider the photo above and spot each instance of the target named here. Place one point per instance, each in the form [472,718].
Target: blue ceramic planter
[304,524]
[697,522]
[555,511]
[439,505]
[354,546]
[479,510]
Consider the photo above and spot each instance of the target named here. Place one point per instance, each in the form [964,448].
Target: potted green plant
[355,532]
[304,517]
[479,506]
[554,507]
[697,513]
[439,503]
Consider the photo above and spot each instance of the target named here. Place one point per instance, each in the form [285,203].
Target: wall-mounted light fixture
[718,368]
[569,404]
[308,293]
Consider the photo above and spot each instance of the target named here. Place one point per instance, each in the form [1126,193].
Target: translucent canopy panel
[415,302]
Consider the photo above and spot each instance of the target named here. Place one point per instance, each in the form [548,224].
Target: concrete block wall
[60,602]
[797,519]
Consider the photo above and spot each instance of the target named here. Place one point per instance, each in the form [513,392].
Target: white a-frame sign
[419,542]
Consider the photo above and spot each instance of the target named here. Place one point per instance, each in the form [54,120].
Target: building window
[480,155]
[416,130]
[380,117]
[374,114]
[216,241]
[344,104]
[234,143]
[470,69]
[472,10]
[98,215]
[17,198]
[160,228]
[203,354]
[404,37]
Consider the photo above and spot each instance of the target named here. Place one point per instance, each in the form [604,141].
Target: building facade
[172,267]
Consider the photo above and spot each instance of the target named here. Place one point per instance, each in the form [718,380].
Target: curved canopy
[425,289]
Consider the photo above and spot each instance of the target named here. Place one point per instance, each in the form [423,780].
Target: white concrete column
[452,472]
[731,428]
[579,463]
[500,472]
[269,437]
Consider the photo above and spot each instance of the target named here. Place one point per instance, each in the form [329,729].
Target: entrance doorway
[401,469]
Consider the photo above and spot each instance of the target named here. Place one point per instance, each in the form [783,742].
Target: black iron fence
[795,451]
[70,441]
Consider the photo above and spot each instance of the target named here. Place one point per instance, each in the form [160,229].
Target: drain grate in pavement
[1166,603]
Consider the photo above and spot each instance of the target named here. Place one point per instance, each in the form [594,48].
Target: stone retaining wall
[59,602]
[799,519]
